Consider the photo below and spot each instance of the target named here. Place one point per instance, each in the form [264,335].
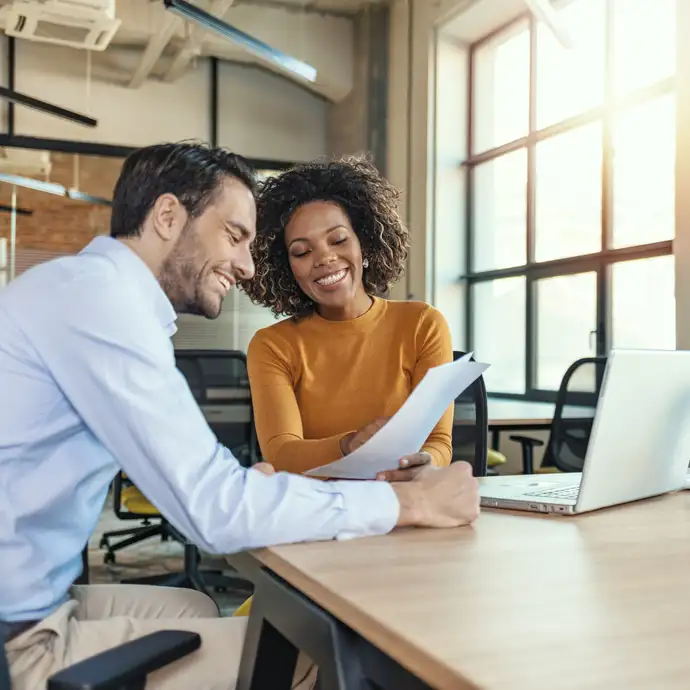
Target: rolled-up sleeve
[115,363]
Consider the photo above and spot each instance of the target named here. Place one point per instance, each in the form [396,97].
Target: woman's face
[325,255]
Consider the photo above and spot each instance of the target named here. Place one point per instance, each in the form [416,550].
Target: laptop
[639,445]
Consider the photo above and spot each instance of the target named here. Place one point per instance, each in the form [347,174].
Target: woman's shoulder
[277,335]
[414,312]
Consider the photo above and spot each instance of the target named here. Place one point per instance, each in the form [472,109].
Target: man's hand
[439,497]
[352,441]
[264,468]
[410,467]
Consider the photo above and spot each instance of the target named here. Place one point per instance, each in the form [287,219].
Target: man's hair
[192,172]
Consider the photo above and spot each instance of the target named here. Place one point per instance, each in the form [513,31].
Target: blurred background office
[541,149]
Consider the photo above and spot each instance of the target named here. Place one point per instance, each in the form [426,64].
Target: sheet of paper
[406,432]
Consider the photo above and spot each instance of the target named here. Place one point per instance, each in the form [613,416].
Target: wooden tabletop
[519,601]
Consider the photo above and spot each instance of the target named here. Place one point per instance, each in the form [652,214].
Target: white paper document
[406,432]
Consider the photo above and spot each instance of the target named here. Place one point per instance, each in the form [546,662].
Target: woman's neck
[353,310]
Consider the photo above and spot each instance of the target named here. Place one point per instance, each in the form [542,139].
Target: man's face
[212,252]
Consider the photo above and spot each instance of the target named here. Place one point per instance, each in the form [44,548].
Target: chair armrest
[128,665]
[528,445]
[527,441]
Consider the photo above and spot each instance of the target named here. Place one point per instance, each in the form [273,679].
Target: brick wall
[58,224]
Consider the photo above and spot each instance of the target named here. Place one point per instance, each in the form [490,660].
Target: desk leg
[283,622]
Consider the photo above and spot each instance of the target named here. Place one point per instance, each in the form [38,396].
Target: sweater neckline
[361,322]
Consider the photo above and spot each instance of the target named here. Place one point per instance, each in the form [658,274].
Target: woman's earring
[365,263]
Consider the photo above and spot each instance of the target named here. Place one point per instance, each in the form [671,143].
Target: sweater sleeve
[434,347]
[272,375]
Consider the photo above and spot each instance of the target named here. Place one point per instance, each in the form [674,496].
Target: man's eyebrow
[240,228]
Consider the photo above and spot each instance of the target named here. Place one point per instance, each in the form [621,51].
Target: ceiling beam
[192,46]
[154,49]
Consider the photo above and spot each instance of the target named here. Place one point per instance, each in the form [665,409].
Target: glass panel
[500,212]
[570,81]
[499,332]
[643,304]
[568,194]
[564,335]
[644,142]
[501,89]
[644,43]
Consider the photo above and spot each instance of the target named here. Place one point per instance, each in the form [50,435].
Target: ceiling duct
[85,24]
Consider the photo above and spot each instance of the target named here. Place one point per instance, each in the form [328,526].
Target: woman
[329,243]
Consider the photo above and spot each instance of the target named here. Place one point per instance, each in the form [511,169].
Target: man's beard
[182,280]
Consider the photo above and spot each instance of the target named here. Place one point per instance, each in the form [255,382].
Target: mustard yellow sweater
[313,381]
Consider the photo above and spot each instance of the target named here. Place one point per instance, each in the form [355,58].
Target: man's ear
[168,217]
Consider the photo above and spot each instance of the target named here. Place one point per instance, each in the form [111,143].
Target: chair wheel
[109,558]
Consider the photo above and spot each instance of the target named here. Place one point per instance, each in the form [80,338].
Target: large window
[571,194]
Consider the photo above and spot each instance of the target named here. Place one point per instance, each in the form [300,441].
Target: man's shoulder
[60,286]
[55,274]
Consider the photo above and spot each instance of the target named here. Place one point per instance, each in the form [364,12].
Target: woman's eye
[342,241]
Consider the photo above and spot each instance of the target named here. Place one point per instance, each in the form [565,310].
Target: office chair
[569,436]
[123,668]
[471,428]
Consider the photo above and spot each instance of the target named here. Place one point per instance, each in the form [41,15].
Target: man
[89,386]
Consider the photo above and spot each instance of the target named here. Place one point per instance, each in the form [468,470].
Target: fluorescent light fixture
[195,14]
[45,107]
[76,195]
[543,10]
[36,185]
[53,188]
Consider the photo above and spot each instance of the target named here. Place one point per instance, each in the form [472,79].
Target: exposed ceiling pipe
[286,62]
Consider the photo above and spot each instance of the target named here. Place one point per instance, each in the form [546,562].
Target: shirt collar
[136,270]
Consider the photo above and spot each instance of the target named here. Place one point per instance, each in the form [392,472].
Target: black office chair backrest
[219,381]
[471,426]
[573,418]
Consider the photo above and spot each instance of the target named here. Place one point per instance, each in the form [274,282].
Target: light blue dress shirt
[89,386]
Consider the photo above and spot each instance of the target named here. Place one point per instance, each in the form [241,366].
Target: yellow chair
[494,459]
[132,504]
[244,610]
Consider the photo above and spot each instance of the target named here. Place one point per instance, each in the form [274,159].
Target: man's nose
[245,265]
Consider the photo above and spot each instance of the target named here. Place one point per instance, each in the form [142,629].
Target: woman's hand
[352,441]
[410,467]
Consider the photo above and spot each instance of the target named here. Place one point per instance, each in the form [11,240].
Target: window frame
[600,261]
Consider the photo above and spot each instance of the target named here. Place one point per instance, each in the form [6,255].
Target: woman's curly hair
[371,204]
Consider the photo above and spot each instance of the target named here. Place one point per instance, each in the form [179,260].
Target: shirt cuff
[371,508]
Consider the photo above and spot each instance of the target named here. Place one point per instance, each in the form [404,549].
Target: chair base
[193,577]
[134,536]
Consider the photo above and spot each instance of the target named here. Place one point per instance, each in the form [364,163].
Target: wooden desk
[518,602]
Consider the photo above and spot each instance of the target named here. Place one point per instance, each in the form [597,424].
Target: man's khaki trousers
[99,617]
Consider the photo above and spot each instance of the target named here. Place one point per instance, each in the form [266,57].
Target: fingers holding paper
[352,441]
[410,466]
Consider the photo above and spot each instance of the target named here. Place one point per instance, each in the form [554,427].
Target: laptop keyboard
[564,492]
